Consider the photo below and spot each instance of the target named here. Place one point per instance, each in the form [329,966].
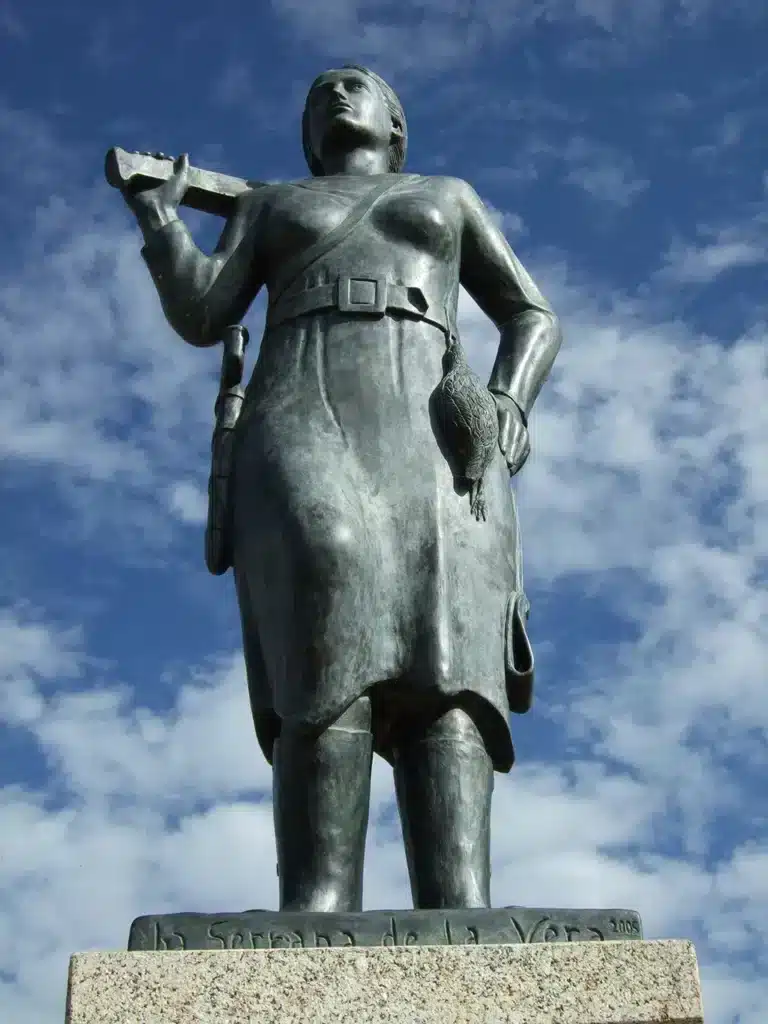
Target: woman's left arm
[503,289]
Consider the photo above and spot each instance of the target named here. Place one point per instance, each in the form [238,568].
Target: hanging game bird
[467,420]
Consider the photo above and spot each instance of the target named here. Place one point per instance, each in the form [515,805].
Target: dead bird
[468,424]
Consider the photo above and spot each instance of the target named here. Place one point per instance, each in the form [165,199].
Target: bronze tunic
[356,560]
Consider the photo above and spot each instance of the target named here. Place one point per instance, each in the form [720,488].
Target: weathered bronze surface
[362,497]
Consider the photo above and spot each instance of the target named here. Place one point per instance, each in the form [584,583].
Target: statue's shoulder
[455,189]
[256,199]
[258,191]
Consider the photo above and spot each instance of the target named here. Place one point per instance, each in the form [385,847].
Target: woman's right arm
[200,295]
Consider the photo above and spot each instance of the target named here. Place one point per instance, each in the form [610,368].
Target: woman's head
[356,100]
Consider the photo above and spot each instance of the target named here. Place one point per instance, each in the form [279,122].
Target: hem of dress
[491,723]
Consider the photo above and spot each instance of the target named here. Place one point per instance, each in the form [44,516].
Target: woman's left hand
[514,440]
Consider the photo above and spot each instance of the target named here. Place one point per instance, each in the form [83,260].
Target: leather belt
[371,296]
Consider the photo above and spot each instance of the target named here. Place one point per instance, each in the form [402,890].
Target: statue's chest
[411,217]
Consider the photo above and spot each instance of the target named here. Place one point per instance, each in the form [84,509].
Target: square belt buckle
[363,295]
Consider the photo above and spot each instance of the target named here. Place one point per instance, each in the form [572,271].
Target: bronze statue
[364,499]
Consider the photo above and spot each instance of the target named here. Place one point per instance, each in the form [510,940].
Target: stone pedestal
[546,983]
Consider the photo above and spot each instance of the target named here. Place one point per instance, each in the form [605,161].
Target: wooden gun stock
[209,191]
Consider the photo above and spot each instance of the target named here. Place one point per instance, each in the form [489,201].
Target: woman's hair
[398,146]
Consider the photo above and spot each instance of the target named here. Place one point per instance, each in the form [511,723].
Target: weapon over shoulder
[209,191]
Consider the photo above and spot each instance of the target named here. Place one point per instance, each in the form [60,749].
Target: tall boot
[444,784]
[321,791]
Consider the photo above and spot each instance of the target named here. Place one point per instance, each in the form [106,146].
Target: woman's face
[345,104]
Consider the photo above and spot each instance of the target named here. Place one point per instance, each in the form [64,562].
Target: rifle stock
[209,191]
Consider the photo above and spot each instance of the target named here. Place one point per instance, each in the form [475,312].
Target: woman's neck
[356,161]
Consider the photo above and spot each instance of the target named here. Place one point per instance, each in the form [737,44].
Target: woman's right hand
[157,205]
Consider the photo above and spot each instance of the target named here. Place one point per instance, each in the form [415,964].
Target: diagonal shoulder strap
[296,266]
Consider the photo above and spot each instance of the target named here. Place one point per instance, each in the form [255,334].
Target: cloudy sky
[622,146]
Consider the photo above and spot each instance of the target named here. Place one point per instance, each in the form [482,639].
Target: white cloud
[719,249]
[609,182]
[434,34]
[188,502]
[602,172]
[512,224]
[700,264]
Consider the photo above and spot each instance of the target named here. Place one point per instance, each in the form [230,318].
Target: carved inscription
[262,929]
[548,930]
[341,938]
[464,935]
[624,926]
[224,936]
[405,938]
[168,938]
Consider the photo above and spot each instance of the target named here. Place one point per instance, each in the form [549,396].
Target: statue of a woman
[378,614]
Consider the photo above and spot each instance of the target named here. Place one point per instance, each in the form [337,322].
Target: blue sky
[622,146]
